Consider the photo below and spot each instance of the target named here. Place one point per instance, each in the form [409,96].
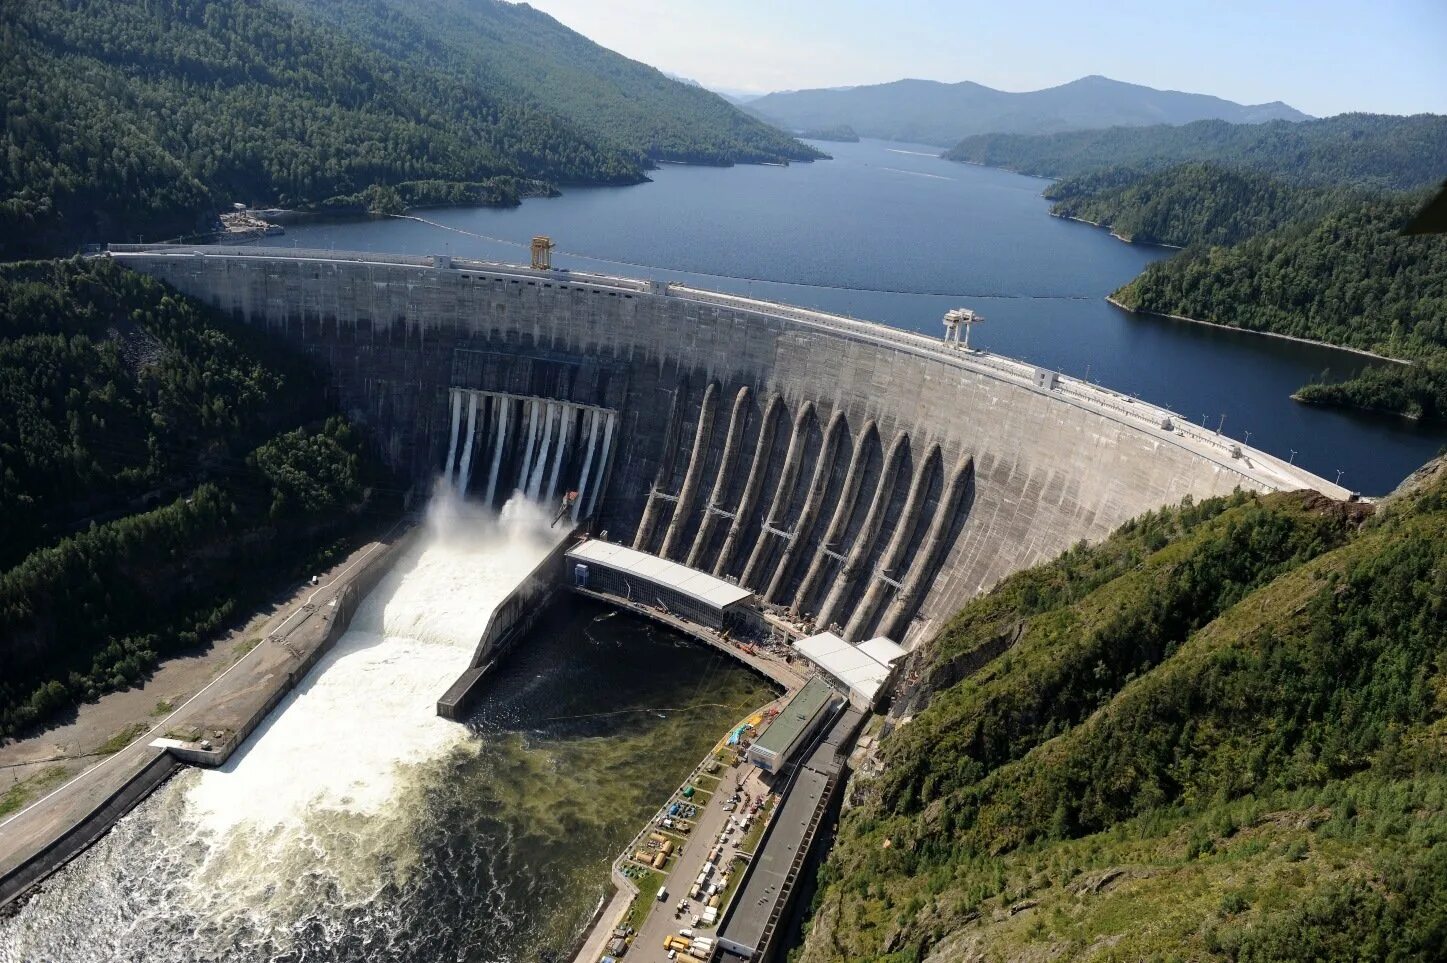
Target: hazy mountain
[126,119]
[524,56]
[929,112]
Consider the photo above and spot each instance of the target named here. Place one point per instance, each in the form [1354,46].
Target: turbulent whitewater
[357,825]
[304,818]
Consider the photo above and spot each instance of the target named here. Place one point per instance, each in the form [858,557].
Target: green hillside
[149,445]
[529,58]
[1347,277]
[1363,150]
[128,118]
[1198,203]
[1288,229]
[1216,736]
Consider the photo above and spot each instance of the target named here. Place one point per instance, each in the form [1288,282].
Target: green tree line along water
[1217,735]
[1289,229]
[150,446]
[130,118]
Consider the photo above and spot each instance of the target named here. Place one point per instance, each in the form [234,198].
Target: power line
[860,289]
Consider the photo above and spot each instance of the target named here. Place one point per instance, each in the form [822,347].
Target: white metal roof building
[855,666]
[653,581]
[882,650]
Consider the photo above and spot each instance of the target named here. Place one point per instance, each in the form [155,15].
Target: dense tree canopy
[1348,277]
[127,118]
[1215,736]
[1199,203]
[527,57]
[1288,228]
[1363,150]
[148,444]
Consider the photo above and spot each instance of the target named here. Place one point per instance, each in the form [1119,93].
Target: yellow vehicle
[678,943]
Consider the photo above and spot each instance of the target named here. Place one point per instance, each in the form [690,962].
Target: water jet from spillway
[317,811]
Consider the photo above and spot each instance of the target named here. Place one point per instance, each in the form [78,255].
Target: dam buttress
[855,474]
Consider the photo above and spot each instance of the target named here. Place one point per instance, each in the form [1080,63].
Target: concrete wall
[991,472]
[512,617]
[75,839]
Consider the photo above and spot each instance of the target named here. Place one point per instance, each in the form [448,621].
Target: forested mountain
[1288,228]
[128,118]
[529,58]
[1364,150]
[929,112]
[1218,735]
[1202,203]
[148,446]
[1348,277]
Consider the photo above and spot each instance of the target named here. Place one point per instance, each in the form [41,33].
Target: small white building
[863,669]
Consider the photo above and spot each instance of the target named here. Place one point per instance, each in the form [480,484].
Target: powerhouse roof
[849,664]
[701,586]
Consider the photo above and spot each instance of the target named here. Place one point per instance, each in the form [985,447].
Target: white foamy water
[369,707]
[312,810]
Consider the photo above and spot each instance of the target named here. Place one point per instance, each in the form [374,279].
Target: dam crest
[854,474]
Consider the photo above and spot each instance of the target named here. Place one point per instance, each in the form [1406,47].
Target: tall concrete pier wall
[855,474]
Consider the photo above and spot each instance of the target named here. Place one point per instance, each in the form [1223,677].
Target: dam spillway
[356,826]
[851,473]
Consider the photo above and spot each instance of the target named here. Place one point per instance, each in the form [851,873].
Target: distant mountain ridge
[142,119]
[930,112]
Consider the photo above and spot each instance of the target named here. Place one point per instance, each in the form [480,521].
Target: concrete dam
[850,473]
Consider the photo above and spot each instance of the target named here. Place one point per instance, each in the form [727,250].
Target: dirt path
[38,763]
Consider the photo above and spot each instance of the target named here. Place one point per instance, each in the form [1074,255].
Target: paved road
[233,694]
[648,947]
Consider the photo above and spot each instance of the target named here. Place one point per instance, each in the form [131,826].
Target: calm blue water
[933,234]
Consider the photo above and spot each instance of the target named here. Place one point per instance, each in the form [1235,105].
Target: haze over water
[924,235]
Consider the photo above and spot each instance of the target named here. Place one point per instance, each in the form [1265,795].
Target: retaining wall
[512,617]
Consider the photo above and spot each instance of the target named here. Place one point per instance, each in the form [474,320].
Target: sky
[1324,57]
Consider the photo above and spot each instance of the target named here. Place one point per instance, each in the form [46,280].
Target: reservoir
[357,825]
[890,232]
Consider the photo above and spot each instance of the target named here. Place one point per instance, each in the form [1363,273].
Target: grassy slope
[1272,788]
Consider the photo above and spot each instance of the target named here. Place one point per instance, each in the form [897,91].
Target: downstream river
[892,233]
[356,825]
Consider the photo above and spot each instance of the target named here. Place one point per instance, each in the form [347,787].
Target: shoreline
[1119,237]
[1266,334]
[58,826]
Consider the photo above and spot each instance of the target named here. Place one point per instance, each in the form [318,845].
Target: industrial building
[809,709]
[658,583]
[863,669]
[753,919]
